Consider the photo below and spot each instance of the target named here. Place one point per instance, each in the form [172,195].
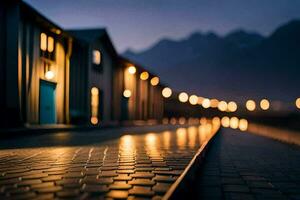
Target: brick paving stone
[141,182]
[95,188]
[110,169]
[117,194]
[246,166]
[141,191]
[161,188]
[120,186]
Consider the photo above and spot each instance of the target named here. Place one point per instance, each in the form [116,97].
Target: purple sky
[137,24]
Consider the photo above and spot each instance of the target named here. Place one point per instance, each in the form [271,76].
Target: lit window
[96,57]
[43,42]
[50,44]
[94,105]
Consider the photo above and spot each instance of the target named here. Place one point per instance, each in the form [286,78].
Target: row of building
[53,76]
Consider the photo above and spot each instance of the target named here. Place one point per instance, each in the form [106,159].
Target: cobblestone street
[131,166]
[240,165]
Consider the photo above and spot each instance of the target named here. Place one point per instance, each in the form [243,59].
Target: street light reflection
[181,137]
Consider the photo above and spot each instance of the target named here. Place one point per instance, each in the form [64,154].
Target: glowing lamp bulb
[49,75]
[154,81]
[166,92]
[183,97]
[127,93]
[132,69]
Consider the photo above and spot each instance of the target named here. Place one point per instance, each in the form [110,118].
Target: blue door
[47,103]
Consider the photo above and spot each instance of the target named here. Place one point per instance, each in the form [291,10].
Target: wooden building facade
[34,67]
[52,76]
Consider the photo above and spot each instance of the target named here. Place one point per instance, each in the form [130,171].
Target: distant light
[222,106]
[94,91]
[298,103]
[200,100]
[181,120]
[250,105]
[216,121]
[193,99]
[43,42]
[96,57]
[94,120]
[50,44]
[173,121]
[154,81]
[132,69]
[234,122]
[264,104]
[232,106]
[58,31]
[243,125]
[183,97]
[206,103]
[225,121]
[127,93]
[166,92]
[214,103]
[144,76]
[49,75]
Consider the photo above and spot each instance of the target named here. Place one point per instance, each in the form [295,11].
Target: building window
[43,42]
[47,46]
[96,57]
[94,105]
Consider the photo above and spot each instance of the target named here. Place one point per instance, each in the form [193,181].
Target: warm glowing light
[173,121]
[264,104]
[243,125]
[234,122]
[127,93]
[166,92]
[96,57]
[94,120]
[203,120]
[181,137]
[94,105]
[165,121]
[298,103]
[132,69]
[49,75]
[216,121]
[183,97]
[193,99]
[200,100]
[214,103]
[50,44]
[154,81]
[144,76]
[225,121]
[94,91]
[43,42]
[222,106]
[206,103]
[250,105]
[232,106]
[181,120]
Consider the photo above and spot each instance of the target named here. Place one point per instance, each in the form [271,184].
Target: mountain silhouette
[237,66]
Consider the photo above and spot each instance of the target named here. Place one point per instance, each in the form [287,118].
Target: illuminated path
[80,166]
[240,165]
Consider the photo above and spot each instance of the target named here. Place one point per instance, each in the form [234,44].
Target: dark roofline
[140,67]
[105,34]
[41,18]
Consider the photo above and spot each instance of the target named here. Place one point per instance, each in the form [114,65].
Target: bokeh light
[264,104]
[250,105]
[193,99]
[132,69]
[166,92]
[183,97]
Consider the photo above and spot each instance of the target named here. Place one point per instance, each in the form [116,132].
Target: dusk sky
[137,24]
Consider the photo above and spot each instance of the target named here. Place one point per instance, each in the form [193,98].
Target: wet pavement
[113,164]
[240,165]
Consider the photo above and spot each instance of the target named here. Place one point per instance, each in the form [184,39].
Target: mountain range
[238,66]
